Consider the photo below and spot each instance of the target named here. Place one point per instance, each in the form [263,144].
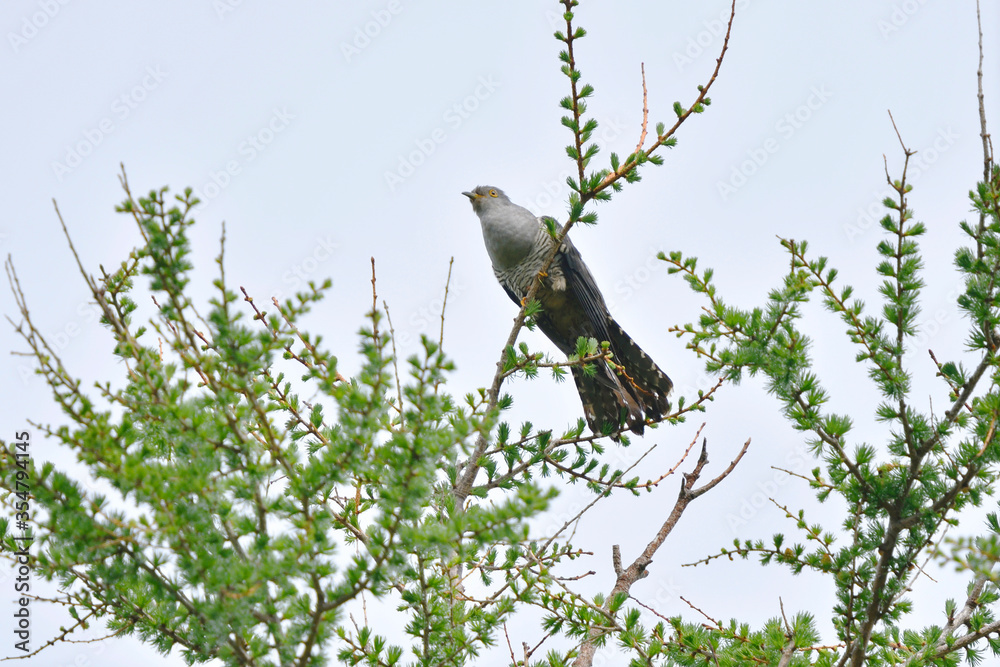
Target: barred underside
[518,278]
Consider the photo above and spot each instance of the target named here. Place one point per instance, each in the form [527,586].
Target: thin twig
[645,110]
[987,144]
[513,660]
[395,359]
[898,136]
[444,302]
[660,140]
[374,307]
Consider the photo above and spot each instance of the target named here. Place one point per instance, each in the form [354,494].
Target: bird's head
[484,197]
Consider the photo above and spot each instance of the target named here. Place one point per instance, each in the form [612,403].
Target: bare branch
[645,110]
[637,570]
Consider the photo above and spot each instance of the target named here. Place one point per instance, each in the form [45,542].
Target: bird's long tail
[629,392]
[606,402]
[649,385]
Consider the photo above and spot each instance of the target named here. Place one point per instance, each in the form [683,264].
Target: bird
[627,393]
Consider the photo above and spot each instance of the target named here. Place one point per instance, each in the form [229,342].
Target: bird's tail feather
[630,393]
[642,377]
[607,404]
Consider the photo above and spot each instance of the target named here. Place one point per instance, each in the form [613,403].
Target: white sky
[299,118]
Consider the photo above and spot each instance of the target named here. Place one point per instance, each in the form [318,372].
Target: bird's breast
[518,278]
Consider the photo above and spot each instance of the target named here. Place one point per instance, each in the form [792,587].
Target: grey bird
[572,306]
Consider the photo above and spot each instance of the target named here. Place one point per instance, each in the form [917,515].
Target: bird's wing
[583,286]
[513,297]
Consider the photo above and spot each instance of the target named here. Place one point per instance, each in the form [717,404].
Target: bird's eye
[493,193]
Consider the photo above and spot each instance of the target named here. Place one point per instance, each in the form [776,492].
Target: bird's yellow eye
[493,193]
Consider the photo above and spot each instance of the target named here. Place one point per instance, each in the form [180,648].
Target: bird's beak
[472,195]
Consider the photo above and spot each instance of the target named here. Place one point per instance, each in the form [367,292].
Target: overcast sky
[327,133]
